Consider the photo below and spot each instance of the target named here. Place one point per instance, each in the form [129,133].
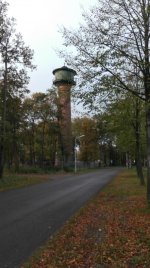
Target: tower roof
[64,75]
[65,68]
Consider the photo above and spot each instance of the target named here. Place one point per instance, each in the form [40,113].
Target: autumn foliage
[112,230]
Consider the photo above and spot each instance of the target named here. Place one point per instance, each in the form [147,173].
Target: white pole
[75,153]
[75,158]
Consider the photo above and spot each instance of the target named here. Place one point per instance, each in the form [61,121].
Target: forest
[111,57]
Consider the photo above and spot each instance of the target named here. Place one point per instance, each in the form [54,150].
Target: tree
[46,112]
[41,128]
[124,120]
[107,127]
[112,47]
[89,147]
[15,58]
[29,130]
[13,137]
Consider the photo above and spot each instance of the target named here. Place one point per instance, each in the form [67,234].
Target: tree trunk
[42,146]
[1,160]
[138,147]
[148,150]
[140,170]
[3,122]
[15,150]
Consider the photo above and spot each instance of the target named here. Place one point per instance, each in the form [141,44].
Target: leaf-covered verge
[112,230]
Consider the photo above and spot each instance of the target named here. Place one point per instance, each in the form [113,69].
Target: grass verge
[19,180]
[13,181]
[112,230]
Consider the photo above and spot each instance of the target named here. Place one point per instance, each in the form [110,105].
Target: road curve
[29,216]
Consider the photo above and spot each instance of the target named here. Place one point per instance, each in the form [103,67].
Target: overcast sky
[38,22]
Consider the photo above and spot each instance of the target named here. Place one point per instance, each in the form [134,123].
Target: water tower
[64,80]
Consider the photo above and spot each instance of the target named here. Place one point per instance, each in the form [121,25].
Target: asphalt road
[29,216]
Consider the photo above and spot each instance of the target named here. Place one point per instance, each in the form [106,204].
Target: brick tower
[64,80]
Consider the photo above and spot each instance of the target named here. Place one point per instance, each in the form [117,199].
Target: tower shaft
[64,80]
[64,104]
